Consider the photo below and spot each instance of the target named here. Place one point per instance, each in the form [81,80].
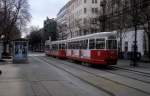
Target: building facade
[62,23]
[129,39]
[79,17]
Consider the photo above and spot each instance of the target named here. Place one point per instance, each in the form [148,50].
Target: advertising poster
[20,50]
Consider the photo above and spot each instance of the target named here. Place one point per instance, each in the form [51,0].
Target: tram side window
[100,43]
[69,45]
[72,45]
[92,44]
[111,44]
[75,45]
[84,44]
[63,46]
[80,44]
[52,46]
[60,46]
[57,46]
[66,46]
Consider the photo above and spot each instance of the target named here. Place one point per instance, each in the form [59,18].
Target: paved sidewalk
[41,79]
[142,67]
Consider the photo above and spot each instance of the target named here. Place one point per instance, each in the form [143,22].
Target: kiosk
[20,51]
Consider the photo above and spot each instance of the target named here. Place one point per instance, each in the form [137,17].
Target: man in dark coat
[0,72]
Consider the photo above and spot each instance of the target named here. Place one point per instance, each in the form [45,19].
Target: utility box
[20,51]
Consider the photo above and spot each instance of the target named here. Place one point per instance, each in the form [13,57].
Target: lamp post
[135,22]
[103,5]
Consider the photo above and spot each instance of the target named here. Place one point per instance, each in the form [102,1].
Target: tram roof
[95,35]
[61,41]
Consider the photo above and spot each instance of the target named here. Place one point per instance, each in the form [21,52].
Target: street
[47,76]
[75,48]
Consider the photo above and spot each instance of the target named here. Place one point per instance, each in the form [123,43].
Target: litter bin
[20,51]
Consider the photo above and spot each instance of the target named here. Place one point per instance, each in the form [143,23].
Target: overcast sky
[40,9]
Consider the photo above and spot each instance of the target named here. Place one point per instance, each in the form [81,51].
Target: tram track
[131,75]
[89,83]
[137,72]
[142,75]
[92,73]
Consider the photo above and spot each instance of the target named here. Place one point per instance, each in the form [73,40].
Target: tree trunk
[149,38]
[6,51]
[149,45]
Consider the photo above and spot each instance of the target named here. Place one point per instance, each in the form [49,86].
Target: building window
[94,1]
[92,44]
[94,20]
[95,10]
[85,10]
[92,10]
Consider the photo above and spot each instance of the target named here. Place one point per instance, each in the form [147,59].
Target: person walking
[0,72]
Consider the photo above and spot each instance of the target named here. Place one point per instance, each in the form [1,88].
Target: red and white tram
[98,48]
[56,49]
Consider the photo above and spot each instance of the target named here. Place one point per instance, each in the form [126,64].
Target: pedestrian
[0,72]
[132,56]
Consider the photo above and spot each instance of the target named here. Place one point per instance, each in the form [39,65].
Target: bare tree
[87,25]
[61,30]
[15,14]
[79,25]
[36,40]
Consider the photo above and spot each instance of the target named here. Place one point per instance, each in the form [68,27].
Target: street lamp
[135,21]
[103,5]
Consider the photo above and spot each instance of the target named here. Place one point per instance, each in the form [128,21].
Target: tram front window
[111,44]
